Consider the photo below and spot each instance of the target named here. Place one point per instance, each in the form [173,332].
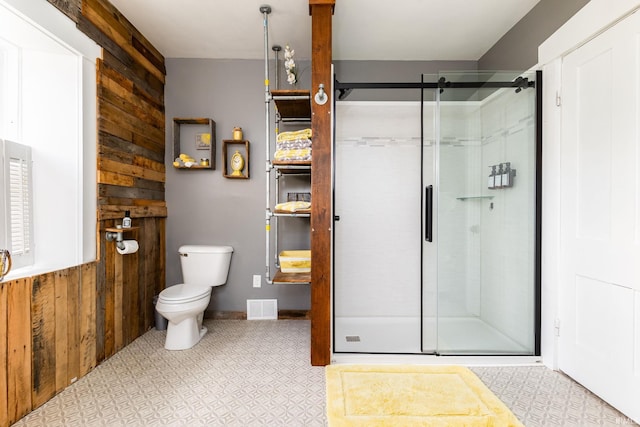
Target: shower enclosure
[437,219]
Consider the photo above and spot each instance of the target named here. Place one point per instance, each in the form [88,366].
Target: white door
[599,343]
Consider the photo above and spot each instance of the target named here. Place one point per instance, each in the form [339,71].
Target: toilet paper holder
[117,234]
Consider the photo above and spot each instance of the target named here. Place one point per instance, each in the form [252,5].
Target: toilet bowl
[183,305]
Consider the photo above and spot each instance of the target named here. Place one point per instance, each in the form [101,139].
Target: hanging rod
[346,88]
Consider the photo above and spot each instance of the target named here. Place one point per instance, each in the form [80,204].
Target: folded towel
[294,135]
[293,145]
[300,154]
[293,206]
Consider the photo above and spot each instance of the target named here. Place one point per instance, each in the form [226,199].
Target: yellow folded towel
[293,206]
[294,135]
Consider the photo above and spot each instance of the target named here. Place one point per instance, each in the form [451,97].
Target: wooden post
[321,212]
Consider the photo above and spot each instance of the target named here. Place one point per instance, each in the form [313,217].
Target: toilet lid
[182,293]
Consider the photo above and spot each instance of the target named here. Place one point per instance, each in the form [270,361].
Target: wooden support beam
[322,211]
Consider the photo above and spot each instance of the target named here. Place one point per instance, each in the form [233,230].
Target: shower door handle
[428,214]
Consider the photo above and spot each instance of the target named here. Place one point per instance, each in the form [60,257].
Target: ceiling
[362,29]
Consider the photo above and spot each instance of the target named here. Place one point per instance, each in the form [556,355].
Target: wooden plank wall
[56,327]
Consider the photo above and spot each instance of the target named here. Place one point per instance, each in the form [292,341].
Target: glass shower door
[486,215]
[377,237]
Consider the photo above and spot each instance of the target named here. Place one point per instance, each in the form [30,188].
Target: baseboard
[294,314]
[225,315]
[242,315]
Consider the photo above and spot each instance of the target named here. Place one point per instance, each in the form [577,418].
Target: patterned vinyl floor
[257,373]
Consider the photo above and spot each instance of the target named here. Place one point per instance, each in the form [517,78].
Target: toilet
[183,305]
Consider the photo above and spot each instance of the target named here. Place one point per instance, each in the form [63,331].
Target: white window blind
[18,202]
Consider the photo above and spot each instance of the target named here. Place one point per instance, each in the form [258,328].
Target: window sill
[30,271]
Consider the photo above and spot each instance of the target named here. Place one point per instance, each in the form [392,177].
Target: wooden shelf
[290,163]
[120,230]
[303,213]
[194,167]
[198,140]
[301,167]
[243,148]
[292,278]
[293,105]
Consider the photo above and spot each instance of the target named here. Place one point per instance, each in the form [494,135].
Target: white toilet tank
[205,265]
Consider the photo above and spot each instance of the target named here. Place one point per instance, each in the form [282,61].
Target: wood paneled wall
[56,327]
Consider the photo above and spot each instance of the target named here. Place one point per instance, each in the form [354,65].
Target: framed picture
[203,141]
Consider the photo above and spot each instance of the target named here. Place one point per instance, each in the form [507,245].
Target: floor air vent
[262,309]
[352,338]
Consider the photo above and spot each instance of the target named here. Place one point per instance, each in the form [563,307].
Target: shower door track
[346,88]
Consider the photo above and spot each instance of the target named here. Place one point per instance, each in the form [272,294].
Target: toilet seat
[179,294]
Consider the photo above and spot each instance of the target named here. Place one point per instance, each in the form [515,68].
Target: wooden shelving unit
[292,106]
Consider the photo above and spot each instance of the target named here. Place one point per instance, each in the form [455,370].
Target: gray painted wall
[203,206]
[518,48]
[392,71]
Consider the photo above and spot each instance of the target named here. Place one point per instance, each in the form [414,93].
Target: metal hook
[321,97]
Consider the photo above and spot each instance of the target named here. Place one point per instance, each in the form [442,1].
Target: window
[18,207]
[48,139]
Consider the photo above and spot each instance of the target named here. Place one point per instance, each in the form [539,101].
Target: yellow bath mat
[411,395]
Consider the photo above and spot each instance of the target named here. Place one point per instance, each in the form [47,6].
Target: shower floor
[401,335]
[471,335]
